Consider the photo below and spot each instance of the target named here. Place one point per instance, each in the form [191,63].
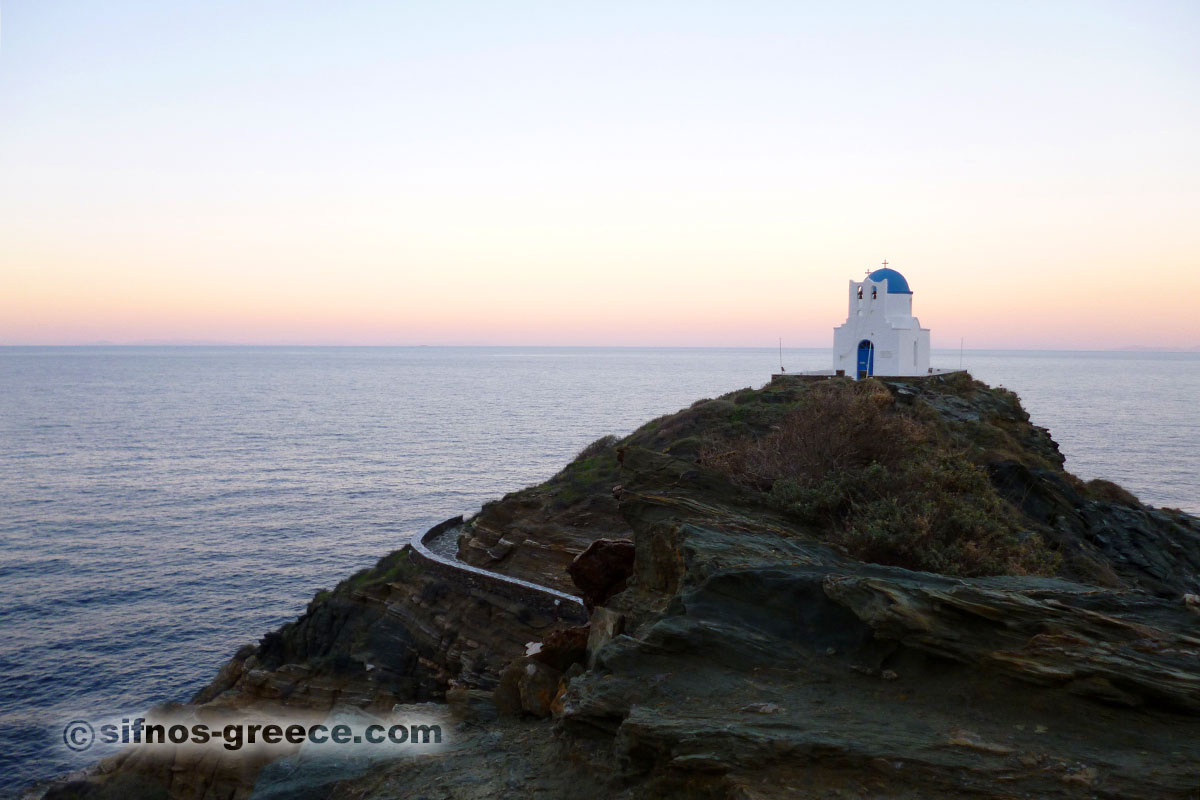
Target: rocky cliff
[878,589]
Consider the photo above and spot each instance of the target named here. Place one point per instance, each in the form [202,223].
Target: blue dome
[895,281]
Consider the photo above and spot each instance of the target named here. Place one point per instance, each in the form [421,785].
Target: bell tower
[880,335]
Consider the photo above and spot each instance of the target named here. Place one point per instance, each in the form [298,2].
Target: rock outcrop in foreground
[888,589]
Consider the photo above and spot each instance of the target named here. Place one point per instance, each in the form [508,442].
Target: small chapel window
[873,292]
[860,293]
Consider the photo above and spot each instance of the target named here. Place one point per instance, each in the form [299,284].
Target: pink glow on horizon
[675,175]
[1014,322]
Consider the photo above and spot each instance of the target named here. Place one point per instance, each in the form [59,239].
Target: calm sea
[160,507]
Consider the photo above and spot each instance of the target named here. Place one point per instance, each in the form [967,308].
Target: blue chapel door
[866,359]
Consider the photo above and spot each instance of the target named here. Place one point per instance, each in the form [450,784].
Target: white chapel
[881,336]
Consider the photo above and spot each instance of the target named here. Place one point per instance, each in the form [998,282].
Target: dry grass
[839,426]
[885,485]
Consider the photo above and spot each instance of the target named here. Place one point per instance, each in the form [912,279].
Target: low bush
[883,484]
[593,472]
[1107,490]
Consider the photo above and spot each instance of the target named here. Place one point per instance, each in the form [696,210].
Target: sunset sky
[618,173]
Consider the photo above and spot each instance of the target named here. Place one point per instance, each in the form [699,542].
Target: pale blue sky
[311,158]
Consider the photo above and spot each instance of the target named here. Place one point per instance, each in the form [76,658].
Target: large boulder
[602,570]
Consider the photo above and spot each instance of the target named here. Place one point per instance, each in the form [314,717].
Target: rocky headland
[882,589]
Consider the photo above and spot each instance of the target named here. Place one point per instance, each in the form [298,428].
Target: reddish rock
[526,686]
[564,647]
[602,570]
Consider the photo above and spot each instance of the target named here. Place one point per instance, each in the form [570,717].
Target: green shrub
[597,447]
[394,567]
[885,485]
[593,472]
[1107,490]
[837,426]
